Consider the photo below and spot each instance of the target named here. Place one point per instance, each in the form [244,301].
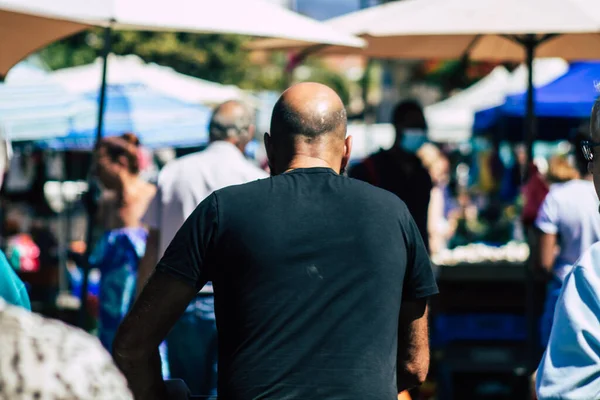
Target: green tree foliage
[218,58]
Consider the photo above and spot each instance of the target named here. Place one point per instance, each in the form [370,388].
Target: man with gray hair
[182,185]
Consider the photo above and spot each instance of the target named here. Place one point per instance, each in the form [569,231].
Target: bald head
[308,111]
[308,128]
[594,167]
[232,121]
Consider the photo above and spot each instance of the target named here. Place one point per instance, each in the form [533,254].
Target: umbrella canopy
[126,70]
[32,107]
[489,29]
[158,120]
[37,23]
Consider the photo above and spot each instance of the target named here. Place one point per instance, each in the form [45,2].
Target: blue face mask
[413,139]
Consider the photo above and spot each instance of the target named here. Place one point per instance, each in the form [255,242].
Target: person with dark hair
[568,224]
[570,367]
[182,185]
[398,169]
[321,281]
[117,254]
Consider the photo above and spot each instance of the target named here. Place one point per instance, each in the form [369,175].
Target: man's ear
[347,153]
[270,153]
[267,140]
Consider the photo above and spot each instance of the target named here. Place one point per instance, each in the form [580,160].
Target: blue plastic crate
[462,327]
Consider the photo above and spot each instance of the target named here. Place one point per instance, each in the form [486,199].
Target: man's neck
[302,161]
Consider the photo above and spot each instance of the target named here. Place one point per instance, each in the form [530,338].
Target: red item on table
[534,192]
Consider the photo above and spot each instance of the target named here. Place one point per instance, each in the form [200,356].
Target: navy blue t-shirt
[309,270]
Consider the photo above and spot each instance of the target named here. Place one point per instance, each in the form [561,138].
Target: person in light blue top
[570,367]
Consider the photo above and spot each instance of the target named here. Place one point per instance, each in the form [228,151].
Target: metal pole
[530,43]
[530,123]
[92,187]
[101,103]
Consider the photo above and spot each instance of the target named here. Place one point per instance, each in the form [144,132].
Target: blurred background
[163,85]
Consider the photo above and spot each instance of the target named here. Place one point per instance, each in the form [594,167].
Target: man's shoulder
[256,185]
[589,261]
[175,169]
[376,195]
[567,188]
[175,166]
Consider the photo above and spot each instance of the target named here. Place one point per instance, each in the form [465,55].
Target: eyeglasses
[587,148]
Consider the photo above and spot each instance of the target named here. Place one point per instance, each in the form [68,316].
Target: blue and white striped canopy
[158,120]
[40,109]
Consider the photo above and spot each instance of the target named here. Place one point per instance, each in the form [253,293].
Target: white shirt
[46,359]
[570,368]
[570,211]
[185,182]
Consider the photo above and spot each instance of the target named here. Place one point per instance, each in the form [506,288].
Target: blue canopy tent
[560,106]
[158,120]
[38,109]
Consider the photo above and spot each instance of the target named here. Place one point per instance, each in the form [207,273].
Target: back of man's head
[408,114]
[309,119]
[233,122]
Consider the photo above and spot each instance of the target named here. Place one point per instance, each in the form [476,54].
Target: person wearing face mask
[12,289]
[570,367]
[398,169]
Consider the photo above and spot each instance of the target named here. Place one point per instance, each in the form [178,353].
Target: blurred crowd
[457,197]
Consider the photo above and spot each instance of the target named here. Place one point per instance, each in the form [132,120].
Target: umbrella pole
[530,44]
[92,187]
[530,128]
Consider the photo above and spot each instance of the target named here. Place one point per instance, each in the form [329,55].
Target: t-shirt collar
[313,170]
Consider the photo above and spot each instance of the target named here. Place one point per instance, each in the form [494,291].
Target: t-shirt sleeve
[547,218]
[419,280]
[189,255]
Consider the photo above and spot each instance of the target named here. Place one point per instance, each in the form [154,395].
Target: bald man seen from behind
[320,281]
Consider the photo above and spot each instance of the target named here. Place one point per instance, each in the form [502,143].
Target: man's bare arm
[413,344]
[135,349]
[149,261]
[547,246]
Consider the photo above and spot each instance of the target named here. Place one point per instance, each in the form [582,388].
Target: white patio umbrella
[131,69]
[29,25]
